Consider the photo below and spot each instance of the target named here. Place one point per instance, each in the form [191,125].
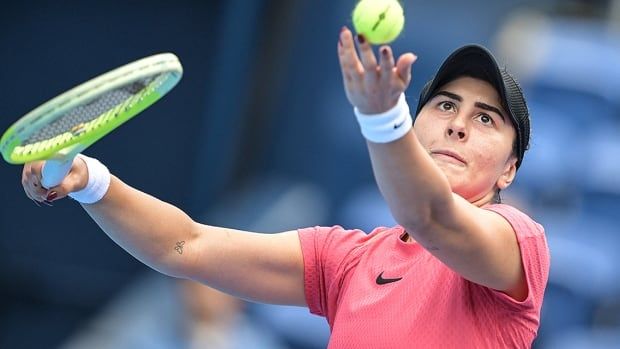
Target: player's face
[470,137]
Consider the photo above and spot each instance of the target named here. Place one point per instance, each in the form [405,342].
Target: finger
[346,74]
[367,57]
[38,194]
[33,182]
[386,62]
[33,191]
[42,195]
[70,183]
[37,198]
[349,60]
[60,191]
[404,66]
[36,169]
[33,173]
[34,185]
[25,175]
[27,192]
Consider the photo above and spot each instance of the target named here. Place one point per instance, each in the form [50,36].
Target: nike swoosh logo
[382,281]
[399,124]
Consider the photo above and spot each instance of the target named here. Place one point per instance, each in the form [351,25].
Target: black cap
[478,62]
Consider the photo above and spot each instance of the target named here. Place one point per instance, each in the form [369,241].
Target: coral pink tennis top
[378,291]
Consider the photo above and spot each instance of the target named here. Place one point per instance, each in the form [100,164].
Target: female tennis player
[460,270]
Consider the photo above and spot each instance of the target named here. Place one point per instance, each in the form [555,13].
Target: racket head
[69,123]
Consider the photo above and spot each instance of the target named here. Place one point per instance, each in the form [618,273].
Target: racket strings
[75,121]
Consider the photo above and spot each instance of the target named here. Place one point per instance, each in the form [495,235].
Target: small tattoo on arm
[179,246]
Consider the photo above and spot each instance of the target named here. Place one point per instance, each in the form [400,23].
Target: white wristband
[387,126]
[98,182]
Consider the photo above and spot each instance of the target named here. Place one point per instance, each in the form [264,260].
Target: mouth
[450,155]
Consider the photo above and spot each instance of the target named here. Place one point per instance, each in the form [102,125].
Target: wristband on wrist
[387,126]
[98,182]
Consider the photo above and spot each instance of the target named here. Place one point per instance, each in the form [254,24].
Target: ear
[508,175]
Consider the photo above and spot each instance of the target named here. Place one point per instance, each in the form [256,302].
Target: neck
[484,200]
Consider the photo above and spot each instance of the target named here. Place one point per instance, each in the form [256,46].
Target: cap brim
[470,59]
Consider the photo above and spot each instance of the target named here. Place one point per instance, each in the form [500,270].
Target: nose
[458,134]
[456,128]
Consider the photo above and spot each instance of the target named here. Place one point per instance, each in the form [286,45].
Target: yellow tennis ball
[379,21]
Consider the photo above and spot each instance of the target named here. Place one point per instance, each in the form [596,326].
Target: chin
[454,175]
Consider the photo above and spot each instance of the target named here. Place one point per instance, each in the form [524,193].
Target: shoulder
[339,236]
[535,255]
[523,225]
[530,237]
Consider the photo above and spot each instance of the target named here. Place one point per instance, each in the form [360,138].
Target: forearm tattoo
[179,246]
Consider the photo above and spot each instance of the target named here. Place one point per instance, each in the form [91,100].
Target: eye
[486,119]
[446,106]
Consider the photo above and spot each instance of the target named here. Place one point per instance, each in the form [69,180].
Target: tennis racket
[64,126]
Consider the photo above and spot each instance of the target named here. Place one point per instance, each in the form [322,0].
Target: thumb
[403,66]
[76,180]
[61,191]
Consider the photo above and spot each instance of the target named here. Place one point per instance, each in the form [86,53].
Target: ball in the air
[379,21]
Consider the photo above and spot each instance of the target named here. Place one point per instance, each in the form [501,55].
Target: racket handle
[54,172]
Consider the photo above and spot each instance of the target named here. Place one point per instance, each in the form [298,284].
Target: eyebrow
[477,104]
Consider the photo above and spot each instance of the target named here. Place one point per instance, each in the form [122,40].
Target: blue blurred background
[259,135]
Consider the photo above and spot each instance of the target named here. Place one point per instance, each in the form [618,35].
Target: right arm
[261,267]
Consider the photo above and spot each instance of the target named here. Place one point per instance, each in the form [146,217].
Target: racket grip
[54,172]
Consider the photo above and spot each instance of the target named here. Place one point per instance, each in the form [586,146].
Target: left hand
[370,86]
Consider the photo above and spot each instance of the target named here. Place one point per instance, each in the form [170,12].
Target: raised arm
[478,244]
[260,267]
